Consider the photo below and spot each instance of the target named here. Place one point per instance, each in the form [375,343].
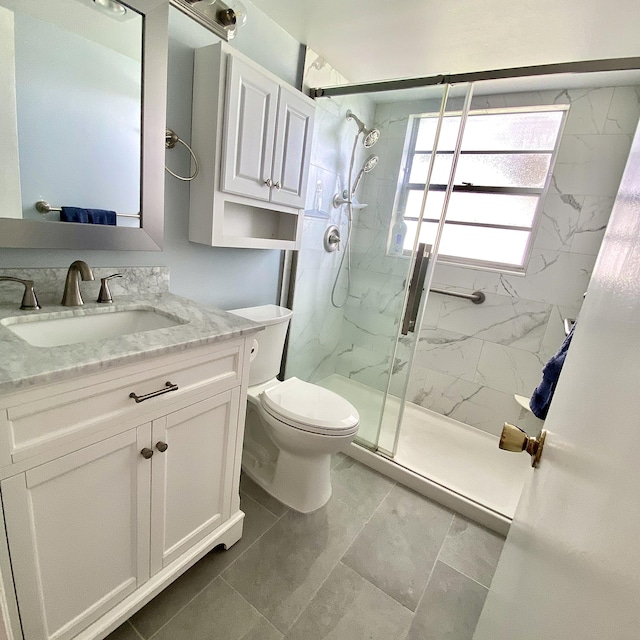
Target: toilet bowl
[292,427]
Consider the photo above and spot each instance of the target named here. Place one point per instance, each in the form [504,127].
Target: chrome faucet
[71,296]
[29,300]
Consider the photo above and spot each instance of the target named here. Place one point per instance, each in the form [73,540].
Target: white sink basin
[56,331]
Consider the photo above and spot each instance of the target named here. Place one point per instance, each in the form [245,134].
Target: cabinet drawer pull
[269,182]
[168,386]
[277,185]
[146,453]
[161,446]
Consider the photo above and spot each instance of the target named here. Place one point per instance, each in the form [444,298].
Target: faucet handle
[29,299]
[105,293]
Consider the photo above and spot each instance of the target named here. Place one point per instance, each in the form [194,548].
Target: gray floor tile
[360,487]
[282,571]
[337,458]
[472,550]
[450,607]
[399,545]
[218,613]
[123,632]
[169,602]
[348,607]
[255,491]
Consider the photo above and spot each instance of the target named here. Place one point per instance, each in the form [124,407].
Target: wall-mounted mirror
[82,117]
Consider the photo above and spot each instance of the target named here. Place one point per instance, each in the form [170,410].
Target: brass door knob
[146,453]
[161,446]
[515,439]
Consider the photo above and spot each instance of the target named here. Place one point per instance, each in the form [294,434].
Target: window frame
[404,186]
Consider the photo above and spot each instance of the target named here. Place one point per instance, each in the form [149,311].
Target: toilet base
[299,483]
[302,483]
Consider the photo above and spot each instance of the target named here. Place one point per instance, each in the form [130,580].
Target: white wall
[377,40]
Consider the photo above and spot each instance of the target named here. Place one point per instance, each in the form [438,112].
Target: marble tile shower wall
[471,359]
[316,325]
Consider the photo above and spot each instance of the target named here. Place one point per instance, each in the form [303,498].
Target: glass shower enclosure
[438,330]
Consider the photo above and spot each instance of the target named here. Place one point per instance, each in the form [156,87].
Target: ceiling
[368,40]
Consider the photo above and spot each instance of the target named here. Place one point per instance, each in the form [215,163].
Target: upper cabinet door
[292,148]
[250,123]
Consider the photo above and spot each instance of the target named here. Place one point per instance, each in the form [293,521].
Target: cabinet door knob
[277,185]
[269,182]
[146,453]
[161,446]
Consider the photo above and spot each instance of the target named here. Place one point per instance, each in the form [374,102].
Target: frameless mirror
[82,114]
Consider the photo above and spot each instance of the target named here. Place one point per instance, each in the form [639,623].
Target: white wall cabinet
[253,137]
[266,138]
[104,512]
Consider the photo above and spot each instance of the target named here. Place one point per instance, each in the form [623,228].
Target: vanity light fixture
[223,17]
[111,7]
[234,17]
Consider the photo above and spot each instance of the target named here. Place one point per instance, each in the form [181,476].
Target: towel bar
[43,207]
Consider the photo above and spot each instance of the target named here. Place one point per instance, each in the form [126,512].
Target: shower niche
[254,136]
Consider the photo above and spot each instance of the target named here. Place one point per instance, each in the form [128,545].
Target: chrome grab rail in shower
[477,297]
[415,288]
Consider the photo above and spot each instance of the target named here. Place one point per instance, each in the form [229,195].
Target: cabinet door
[78,530]
[250,124]
[292,149]
[192,477]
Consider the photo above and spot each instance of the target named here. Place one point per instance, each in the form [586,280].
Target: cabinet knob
[161,446]
[277,185]
[146,453]
[269,182]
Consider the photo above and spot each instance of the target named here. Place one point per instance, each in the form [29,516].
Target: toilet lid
[314,408]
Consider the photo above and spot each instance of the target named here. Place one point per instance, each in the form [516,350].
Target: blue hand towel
[102,216]
[74,214]
[543,394]
[91,216]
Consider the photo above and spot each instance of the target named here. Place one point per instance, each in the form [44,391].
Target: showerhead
[369,165]
[370,135]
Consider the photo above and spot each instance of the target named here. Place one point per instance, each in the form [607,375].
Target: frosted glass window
[522,131]
[505,159]
[492,170]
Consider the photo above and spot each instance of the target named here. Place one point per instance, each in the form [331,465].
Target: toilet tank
[268,345]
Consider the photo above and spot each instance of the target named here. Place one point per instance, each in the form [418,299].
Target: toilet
[292,427]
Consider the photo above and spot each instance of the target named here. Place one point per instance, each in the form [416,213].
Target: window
[504,166]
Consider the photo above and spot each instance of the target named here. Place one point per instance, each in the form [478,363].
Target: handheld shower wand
[346,197]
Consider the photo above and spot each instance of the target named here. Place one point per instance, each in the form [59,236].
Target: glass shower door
[432,150]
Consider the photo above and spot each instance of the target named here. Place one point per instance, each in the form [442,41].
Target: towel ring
[171,138]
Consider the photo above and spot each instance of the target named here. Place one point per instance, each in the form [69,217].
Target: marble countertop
[23,365]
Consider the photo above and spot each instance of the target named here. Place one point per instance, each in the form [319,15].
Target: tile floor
[378,562]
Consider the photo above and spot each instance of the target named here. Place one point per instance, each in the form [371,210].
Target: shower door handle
[416,287]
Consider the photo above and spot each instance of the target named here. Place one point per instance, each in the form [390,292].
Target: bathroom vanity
[119,460]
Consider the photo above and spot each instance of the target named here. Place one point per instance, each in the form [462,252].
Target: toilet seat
[310,408]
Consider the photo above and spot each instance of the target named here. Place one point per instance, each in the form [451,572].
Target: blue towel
[91,216]
[74,214]
[102,216]
[543,394]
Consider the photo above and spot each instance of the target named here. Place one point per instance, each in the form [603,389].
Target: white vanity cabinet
[252,135]
[106,500]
